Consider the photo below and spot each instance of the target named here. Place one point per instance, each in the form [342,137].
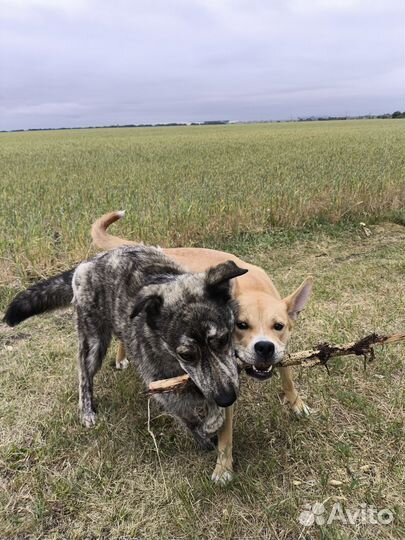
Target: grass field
[59,480]
[192,184]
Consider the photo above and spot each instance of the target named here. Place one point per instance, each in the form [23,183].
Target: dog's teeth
[268,370]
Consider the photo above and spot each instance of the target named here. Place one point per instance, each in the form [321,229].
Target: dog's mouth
[255,371]
[259,373]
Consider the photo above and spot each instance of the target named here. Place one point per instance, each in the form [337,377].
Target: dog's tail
[102,238]
[46,295]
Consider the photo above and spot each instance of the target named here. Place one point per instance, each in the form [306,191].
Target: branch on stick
[314,357]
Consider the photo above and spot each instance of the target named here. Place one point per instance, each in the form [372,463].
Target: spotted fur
[170,322]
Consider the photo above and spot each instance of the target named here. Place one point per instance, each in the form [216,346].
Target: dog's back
[110,282]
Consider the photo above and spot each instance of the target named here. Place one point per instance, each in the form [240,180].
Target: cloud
[20,9]
[82,62]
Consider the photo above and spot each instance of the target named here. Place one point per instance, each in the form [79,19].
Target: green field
[191,185]
[288,197]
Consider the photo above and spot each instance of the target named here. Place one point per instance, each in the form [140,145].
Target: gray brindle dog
[170,321]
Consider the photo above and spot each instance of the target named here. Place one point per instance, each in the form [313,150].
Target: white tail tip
[121,214]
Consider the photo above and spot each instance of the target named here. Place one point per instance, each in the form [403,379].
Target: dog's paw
[122,364]
[89,419]
[222,475]
[296,404]
[300,408]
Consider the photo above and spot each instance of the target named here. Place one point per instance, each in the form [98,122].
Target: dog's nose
[264,349]
[225,399]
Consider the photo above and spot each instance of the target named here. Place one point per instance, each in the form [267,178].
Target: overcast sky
[97,62]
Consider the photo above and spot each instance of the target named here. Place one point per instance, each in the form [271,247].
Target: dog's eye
[278,326]
[242,325]
[187,356]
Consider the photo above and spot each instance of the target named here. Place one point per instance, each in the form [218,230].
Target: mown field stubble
[270,194]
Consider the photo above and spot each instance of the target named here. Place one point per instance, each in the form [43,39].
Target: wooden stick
[324,351]
[168,385]
[314,357]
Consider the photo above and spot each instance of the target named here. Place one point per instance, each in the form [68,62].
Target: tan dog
[262,331]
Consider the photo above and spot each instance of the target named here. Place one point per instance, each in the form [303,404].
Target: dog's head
[192,318]
[264,326]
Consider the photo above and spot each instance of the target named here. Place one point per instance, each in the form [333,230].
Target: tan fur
[260,305]
[224,466]
[121,361]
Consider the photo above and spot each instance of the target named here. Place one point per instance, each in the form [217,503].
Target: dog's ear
[150,303]
[299,298]
[218,278]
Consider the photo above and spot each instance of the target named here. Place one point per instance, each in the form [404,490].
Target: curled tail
[102,238]
[45,295]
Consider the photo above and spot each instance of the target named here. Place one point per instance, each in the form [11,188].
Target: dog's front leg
[290,393]
[223,471]
[121,361]
[92,350]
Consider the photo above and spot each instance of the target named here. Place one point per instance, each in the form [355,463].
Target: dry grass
[58,479]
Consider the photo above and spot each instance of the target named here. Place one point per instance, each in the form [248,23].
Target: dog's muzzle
[261,364]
